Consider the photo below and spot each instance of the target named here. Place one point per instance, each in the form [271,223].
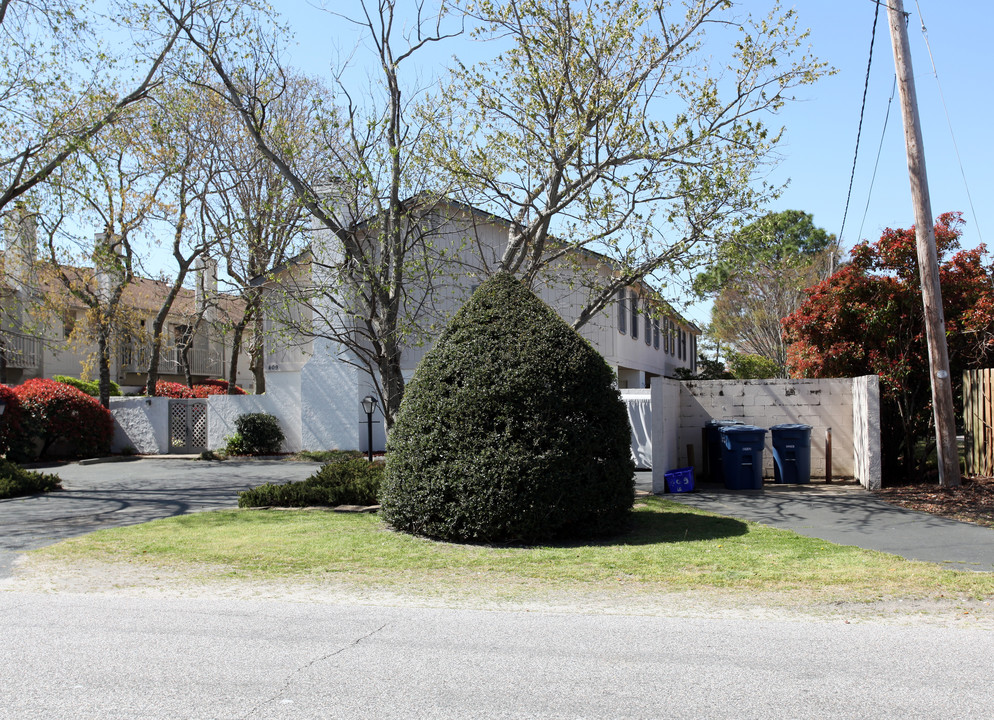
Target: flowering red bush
[214,387]
[10,422]
[164,388]
[52,412]
[868,318]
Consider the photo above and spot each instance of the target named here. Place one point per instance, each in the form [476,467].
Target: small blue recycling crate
[680,480]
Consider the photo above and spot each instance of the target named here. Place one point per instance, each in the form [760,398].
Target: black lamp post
[368,406]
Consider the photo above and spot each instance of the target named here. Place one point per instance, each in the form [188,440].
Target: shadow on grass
[653,528]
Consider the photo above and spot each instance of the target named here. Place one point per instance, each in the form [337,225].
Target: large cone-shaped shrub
[510,431]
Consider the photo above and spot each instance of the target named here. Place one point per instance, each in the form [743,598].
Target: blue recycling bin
[791,453]
[712,448]
[742,456]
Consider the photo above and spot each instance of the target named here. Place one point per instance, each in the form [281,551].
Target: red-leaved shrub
[56,413]
[214,387]
[164,388]
[10,422]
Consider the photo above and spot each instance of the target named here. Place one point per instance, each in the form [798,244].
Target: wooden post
[928,264]
[828,455]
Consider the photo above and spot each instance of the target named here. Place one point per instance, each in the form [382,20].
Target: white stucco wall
[329,412]
[281,399]
[141,424]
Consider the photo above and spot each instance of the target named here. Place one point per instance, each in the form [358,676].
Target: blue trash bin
[742,456]
[791,453]
[712,448]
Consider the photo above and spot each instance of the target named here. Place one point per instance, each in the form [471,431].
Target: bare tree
[252,209]
[375,146]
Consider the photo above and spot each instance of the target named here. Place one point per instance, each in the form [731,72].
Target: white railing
[203,361]
[21,351]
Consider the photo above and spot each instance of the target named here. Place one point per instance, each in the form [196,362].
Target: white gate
[187,426]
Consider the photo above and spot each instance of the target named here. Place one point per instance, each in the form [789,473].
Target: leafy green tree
[744,366]
[511,430]
[62,82]
[605,125]
[759,277]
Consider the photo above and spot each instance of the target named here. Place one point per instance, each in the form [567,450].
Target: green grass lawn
[670,548]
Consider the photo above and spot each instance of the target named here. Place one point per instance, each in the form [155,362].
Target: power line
[862,111]
[949,122]
[880,148]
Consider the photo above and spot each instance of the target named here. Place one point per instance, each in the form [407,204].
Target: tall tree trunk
[103,353]
[258,354]
[236,348]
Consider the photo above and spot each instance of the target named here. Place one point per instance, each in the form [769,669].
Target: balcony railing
[203,361]
[21,351]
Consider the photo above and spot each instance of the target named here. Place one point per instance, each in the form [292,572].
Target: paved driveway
[849,515]
[125,493]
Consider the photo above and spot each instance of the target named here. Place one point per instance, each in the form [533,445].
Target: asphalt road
[125,493]
[76,656]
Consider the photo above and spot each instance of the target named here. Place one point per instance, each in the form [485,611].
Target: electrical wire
[949,122]
[880,147]
[862,111]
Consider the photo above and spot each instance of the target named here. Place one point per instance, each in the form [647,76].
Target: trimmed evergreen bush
[90,387]
[15,481]
[345,482]
[510,431]
[256,434]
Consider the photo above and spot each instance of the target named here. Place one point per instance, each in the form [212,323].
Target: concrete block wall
[822,404]
[850,407]
[866,430]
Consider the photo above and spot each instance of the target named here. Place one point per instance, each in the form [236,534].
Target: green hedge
[345,482]
[510,431]
[256,434]
[90,387]
[15,481]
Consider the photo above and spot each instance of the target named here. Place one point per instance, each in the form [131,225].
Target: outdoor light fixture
[369,406]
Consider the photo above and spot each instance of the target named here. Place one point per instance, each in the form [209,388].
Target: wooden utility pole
[928,263]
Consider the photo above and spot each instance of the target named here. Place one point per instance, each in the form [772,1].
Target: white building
[314,384]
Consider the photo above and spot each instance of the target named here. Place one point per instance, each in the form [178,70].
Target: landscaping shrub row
[165,388]
[345,482]
[15,481]
[90,387]
[44,417]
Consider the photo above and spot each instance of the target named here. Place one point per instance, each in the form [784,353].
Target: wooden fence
[978,421]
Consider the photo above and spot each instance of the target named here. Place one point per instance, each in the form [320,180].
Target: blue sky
[816,155]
